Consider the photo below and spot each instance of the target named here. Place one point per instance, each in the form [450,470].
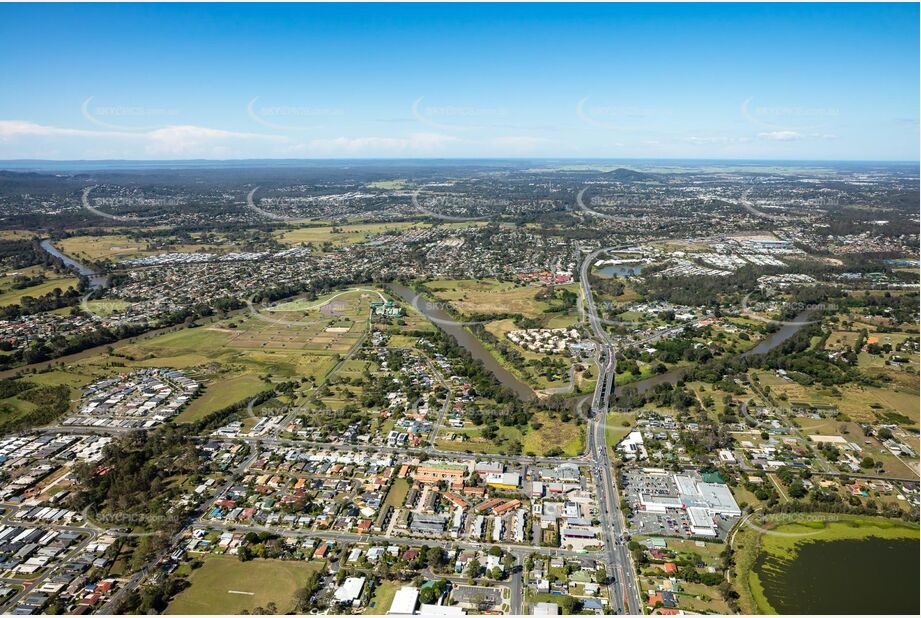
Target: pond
[872,575]
[621,270]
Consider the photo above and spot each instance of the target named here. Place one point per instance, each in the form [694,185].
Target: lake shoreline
[761,552]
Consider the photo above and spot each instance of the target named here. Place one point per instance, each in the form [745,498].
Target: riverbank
[677,373]
[94,278]
[775,559]
[464,338]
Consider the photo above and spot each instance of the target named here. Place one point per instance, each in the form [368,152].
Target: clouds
[23,128]
[794,136]
[718,139]
[27,139]
[414,144]
[186,140]
[781,136]
[192,141]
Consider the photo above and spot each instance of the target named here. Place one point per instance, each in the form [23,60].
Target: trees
[435,557]
[427,595]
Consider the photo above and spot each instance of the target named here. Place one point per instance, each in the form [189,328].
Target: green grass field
[855,400]
[617,425]
[341,235]
[383,597]
[338,235]
[472,297]
[224,585]
[553,434]
[220,395]
[397,493]
[14,297]
[109,247]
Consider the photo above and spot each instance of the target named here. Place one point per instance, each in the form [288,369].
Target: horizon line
[459,158]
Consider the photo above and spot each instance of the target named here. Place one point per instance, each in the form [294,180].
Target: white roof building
[440,610]
[404,601]
[350,590]
[546,609]
[632,446]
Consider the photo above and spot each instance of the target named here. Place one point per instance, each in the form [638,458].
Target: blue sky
[814,81]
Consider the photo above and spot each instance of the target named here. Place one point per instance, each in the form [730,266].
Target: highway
[623,588]
[625,591]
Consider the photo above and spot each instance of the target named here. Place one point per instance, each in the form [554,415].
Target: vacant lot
[553,435]
[338,235]
[383,597]
[221,394]
[115,247]
[224,585]
[489,296]
[543,435]
[860,403]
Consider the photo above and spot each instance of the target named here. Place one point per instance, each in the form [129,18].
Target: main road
[624,593]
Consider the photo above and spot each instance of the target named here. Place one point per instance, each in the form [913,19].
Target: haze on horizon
[728,81]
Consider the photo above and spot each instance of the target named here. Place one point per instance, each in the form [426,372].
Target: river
[473,345]
[465,339]
[673,376]
[96,279]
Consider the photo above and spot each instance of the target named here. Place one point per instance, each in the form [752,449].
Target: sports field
[224,585]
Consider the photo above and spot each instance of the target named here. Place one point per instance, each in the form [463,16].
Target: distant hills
[624,174]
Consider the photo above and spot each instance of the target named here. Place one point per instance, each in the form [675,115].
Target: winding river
[96,279]
[473,345]
[465,339]
[476,349]
[767,344]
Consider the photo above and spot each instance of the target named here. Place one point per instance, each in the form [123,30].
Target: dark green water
[851,576]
